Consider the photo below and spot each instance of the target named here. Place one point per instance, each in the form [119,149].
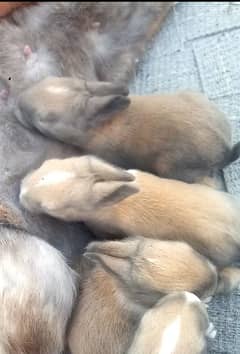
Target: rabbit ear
[120,249]
[108,193]
[105,171]
[102,108]
[114,265]
[101,88]
[111,184]
[105,100]
[114,256]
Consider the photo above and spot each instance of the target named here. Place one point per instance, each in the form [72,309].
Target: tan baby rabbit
[131,276]
[177,324]
[182,135]
[106,197]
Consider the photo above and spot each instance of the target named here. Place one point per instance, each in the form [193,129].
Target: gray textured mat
[199,48]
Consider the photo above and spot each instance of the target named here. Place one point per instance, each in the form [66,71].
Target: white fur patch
[170,337]
[23,192]
[55,177]
[57,89]
[133,172]
[211,331]
[191,298]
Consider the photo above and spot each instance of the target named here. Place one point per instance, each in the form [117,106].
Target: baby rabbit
[177,324]
[182,135]
[121,203]
[131,276]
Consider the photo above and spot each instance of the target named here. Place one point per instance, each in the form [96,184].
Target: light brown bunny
[131,276]
[87,188]
[177,324]
[182,135]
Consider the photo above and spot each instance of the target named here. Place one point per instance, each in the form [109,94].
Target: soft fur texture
[130,277]
[97,41]
[177,324]
[94,41]
[181,135]
[35,306]
[205,218]
[33,46]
